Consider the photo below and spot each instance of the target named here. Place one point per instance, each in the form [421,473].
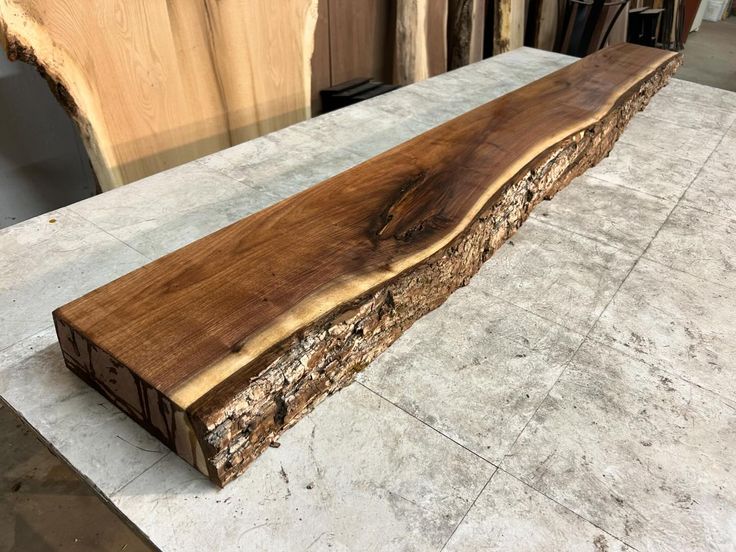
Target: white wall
[43,164]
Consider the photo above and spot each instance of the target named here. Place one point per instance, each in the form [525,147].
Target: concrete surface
[577,394]
[710,55]
[43,164]
[45,506]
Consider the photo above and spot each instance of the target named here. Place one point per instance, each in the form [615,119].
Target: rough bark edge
[235,428]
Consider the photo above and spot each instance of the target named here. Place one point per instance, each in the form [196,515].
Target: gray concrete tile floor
[710,55]
[578,394]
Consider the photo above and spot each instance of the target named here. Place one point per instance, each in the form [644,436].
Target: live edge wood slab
[220,346]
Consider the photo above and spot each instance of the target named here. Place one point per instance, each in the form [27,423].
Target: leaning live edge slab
[221,345]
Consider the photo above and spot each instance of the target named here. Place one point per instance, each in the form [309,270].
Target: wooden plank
[541,24]
[620,28]
[421,40]
[691,9]
[436,37]
[360,39]
[508,25]
[548,21]
[321,70]
[152,84]
[410,52]
[218,347]
[465,24]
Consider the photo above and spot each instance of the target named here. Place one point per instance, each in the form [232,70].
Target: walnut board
[152,84]
[219,346]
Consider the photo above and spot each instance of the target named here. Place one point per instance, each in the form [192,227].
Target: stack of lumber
[220,346]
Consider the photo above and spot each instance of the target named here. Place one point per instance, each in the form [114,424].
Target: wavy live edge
[219,347]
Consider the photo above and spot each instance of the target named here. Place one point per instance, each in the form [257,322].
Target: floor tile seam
[567,508]
[472,505]
[117,492]
[602,178]
[29,336]
[632,253]
[573,356]
[423,422]
[128,245]
[684,192]
[658,367]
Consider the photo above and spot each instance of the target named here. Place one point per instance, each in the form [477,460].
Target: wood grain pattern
[421,40]
[361,40]
[465,24]
[221,345]
[508,25]
[152,84]
[321,70]
[541,23]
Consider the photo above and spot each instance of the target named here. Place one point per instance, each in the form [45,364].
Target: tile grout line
[636,262]
[660,369]
[624,186]
[240,183]
[621,249]
[462,519]
[426,424]
[544,398]
[29,336]
[678,124]
[595,239]
[266,192]
[587,334]
[592,339]
[497,467]
[576,514]
[126,244]
[117,491]
[526,310]
[244,186]
[682,126]
[679,199]
[688,205]
[615,293]
[563,371]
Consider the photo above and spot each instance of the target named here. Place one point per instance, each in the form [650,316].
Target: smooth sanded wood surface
[192,318]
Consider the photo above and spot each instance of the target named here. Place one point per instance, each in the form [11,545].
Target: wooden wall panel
[152,83]
[361,39]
